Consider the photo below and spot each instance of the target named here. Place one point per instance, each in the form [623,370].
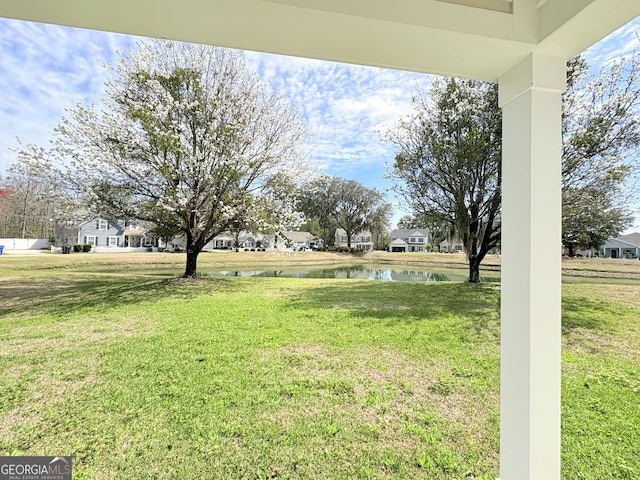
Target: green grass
[601,382]
[138,374]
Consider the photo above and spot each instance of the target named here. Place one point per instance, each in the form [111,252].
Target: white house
[415,240]
[360,241]
[523,45]
[285,240]
[297,241]
[228,240]
[624,246]
[453,246]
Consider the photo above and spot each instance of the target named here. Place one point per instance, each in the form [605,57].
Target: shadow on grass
[59,295]
[411,302]
[583,312]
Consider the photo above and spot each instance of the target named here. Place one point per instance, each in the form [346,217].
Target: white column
[530,97]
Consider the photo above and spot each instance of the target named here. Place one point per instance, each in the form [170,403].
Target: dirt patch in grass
[601,264]
[50,389]
[73,334]
[402,402]
[626,294]
[584,340]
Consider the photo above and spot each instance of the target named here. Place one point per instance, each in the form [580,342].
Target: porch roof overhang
[399,242]
[479,39]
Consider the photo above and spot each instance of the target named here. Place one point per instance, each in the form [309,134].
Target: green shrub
[86,247]
[77,248]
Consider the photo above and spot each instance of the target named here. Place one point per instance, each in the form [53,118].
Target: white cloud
[345,108]
[618,44]
[45,69]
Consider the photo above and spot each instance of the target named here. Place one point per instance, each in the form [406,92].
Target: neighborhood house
[110,235]
[409,240]
[624,246]
[298,240]
[285,240]
[359,241]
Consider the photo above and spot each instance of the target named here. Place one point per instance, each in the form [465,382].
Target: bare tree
[338,203]
[28,203]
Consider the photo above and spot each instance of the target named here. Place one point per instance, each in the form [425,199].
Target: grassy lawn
[139,374]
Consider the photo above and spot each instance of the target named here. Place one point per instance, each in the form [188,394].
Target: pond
[358,272]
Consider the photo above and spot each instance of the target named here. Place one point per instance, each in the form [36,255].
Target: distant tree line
[26,204]
[329,203]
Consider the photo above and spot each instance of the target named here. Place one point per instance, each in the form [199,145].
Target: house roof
[453,242]
[224,236]
[94,219]
[618,243]
[341,231]
[402,233]
[631,238]
[299,237]
[399,241]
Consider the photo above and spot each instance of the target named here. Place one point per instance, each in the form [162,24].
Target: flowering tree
[187,139]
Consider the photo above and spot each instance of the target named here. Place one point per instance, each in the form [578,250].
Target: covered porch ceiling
[479,39]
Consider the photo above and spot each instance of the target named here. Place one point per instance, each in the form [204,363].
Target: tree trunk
[570,248]
[192,263]
[474,269]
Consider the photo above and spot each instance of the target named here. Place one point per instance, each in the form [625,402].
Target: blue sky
[45,68]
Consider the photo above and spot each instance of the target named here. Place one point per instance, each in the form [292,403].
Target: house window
[90,240]
[413,240]
[344,238]
[112,241]
[102,224]
[420,240]
[148,242]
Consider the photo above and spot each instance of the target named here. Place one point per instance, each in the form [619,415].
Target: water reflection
[360,272]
